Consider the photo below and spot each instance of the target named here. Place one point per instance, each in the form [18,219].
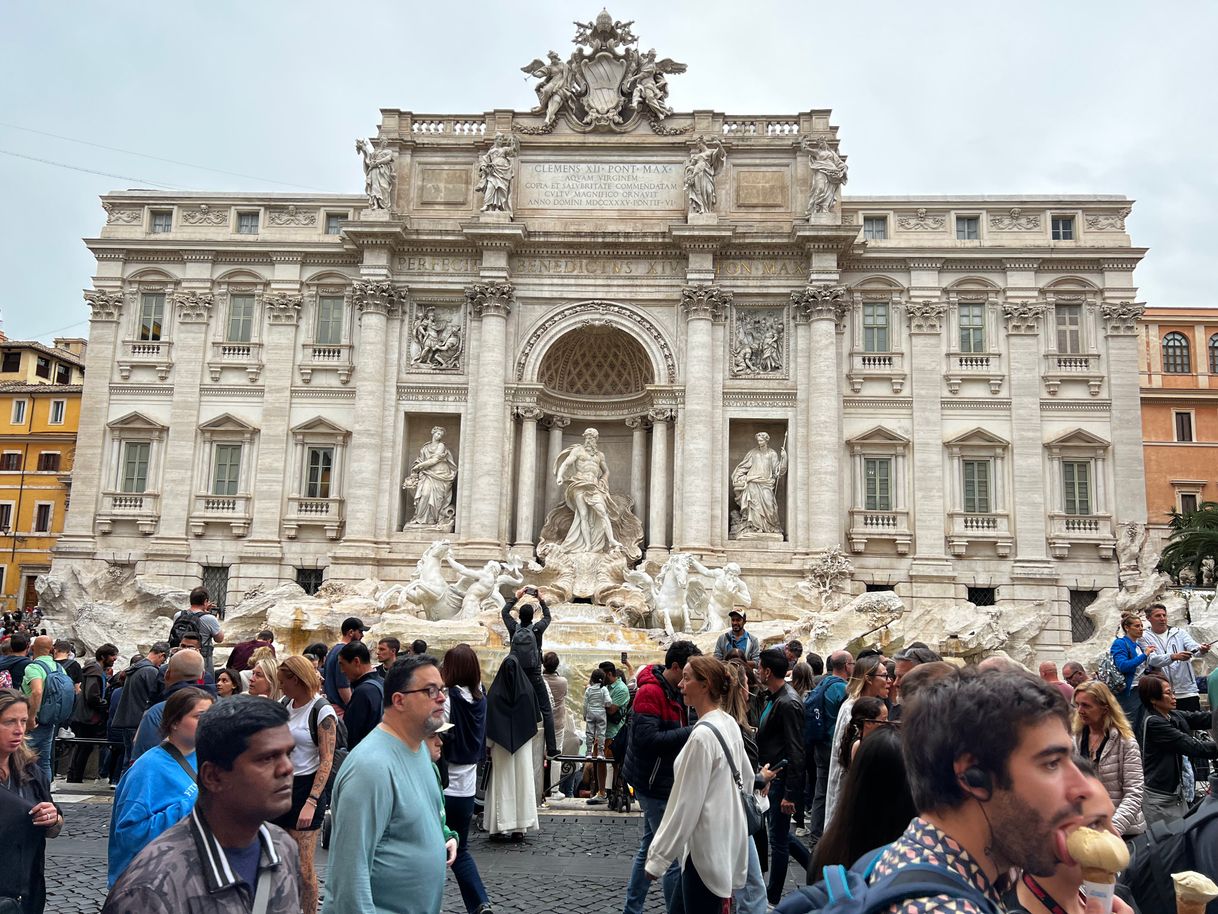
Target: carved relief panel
[758,342]
[437,336]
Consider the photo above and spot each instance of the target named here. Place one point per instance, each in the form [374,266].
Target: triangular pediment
[320,425]
[227,422]
[879,435]
[978,436]
[135,421]
[1078,437]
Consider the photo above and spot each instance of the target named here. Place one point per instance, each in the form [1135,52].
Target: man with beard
[387,805]
[988,756]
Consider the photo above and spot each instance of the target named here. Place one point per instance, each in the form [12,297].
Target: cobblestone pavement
[578,864]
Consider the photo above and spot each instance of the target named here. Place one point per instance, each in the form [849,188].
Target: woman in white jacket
[1105,737]
[703,823]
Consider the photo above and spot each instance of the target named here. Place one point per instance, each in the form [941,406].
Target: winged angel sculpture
[606,79]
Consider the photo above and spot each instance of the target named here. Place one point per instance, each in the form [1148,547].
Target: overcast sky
[931,98]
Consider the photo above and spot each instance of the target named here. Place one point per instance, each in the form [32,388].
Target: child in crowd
[596,697]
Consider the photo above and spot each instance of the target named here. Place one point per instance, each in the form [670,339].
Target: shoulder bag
[754,818]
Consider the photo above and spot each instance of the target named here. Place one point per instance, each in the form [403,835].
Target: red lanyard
[1042,896]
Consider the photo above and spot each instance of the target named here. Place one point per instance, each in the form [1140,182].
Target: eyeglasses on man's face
[433,691]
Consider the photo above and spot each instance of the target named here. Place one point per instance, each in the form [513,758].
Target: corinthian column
[491,303]
[638,465]
[527,494]
[821,307]
[555,424]
[373,300]
[657,522]
[703,305]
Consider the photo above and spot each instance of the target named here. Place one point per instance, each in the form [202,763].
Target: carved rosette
[705,300]
[193,307]
[1023,316]
[106,306]
[491,298]
[376,295]
[1121,317]
[819,303]
[282,307]
[925,316]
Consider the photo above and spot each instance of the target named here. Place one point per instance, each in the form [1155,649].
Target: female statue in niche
[755,481]
[431,478]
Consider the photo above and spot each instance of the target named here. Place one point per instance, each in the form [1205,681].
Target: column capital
[1023,317]
[491,298]
[1121,317]
[528,413]
[557,422]
[105,305]
[379,296]
[636,422]
[193,307]
[282,307]
[813,303]
[660,414]
[925,316]
[705,300]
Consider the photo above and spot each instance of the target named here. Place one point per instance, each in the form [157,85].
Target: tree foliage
[1194,537]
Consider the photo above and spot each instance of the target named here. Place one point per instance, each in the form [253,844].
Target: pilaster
[1128,467]
[490,303]
[926,373]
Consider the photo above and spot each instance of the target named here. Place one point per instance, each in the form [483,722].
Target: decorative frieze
[921,221]
[1106,222]
[1023,316]
[925,316]
[705,300]
[292,215]
[437,338]
[123,215]
[433,393]
[204,215]
[491,298]
[105,305]
[1015,220]
[193,307]
[819,302]
[1121,318]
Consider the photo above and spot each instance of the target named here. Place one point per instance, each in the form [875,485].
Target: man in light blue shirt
[387,806]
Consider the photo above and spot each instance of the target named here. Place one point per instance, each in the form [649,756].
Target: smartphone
[781,765]
[623,657]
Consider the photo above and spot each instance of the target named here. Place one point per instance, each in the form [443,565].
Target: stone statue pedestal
[495,217]
[765,537]
[703,219]
[375,215]
[824,219]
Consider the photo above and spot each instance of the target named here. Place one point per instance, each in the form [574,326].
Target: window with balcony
[1076,487]
[240,318]
[58,409]
[875,326]
[11,362]
[1176,358]
[1069,320]
[226,469]
[972,327]
[48,462]
[976,486]
[151,316]
[42,517]
[42,367]
[877,484]
[329,320]
[977,502]
[968,228]
[19,408]
[334,223]
[1182,420]
[875,228]
[1062,228]
[318,472]
[162,221]
[134,477]
[247,223]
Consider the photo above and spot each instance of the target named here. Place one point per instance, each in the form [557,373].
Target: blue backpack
[846,891]
[816,718]
[58,695]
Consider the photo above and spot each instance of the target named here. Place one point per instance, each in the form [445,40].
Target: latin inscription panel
[600,185]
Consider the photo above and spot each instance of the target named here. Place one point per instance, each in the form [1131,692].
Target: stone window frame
[224,290]
[63,411]
[134,292]
[225,429]
[1187,487]
[1212,350]
[312,292]
[1087,301]
[884,443]
[327,215]
[888,364]
[50,517]
[134,427]
[1073,225]
[989,364]
[319,432]
[863,217]
[1079,445]
[6,526]
[239,211]
[976,216]
[21,409]
[979,444]
[58,463]
[154,211]
[1191,413]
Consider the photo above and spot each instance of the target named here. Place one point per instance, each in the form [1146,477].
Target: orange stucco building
[1179,381]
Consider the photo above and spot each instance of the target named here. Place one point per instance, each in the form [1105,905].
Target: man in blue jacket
[826,698]
[659,728]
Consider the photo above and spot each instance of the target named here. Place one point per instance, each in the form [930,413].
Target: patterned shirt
[923,843]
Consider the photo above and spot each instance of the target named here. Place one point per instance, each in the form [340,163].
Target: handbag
[754,818]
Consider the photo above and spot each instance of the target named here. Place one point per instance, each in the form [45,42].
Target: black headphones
[978,779]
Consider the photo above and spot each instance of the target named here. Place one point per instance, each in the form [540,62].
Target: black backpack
[1166,848]
[524,646]
[187,622]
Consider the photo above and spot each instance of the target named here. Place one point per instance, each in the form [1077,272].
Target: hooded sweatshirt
[154,795]
[14,665]
[659,730]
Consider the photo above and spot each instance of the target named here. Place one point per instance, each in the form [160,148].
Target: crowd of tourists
[905,781]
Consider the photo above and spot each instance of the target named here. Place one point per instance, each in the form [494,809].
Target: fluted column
[703,304]
[1023,320]
[491,303]
[638,465]
[555,425]
[373,299]
[822,307]
[657,522]
[526,496]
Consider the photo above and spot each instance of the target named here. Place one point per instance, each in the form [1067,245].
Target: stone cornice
[491,298]
[819,303]
[705,301]
[106,305]
[504,236]
[701,237]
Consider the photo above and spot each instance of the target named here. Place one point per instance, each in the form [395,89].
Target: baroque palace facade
[954,379]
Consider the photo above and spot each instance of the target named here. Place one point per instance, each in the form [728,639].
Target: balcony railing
[326,356]
[891,526]
[1064,366]
[884,366]
[972,527]
[155,354]
[982,366]
[244,356]
[234,510]
[1067,530]
[328,513]
[142,508]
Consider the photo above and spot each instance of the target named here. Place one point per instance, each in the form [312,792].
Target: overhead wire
[91,171]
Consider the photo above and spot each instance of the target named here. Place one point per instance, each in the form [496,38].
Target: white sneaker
[801,832]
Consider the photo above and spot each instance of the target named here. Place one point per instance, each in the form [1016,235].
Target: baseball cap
[353,622]
[736,612]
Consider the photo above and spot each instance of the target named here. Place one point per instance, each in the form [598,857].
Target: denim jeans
[636,891]
[782,845]
[40,740]
[817,823]
[751,897]
[458,812]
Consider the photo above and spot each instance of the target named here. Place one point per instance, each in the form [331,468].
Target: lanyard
[1044,897]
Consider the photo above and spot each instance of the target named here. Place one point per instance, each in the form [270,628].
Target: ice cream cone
[1098,876]
[1190,907]
[1193,892]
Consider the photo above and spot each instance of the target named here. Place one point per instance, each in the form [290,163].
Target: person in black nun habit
[512,716]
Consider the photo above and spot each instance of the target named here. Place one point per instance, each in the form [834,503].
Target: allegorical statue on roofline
[496,171]
[606,82]
[378,173]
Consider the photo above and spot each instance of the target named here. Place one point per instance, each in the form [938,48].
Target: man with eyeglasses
[387,805]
